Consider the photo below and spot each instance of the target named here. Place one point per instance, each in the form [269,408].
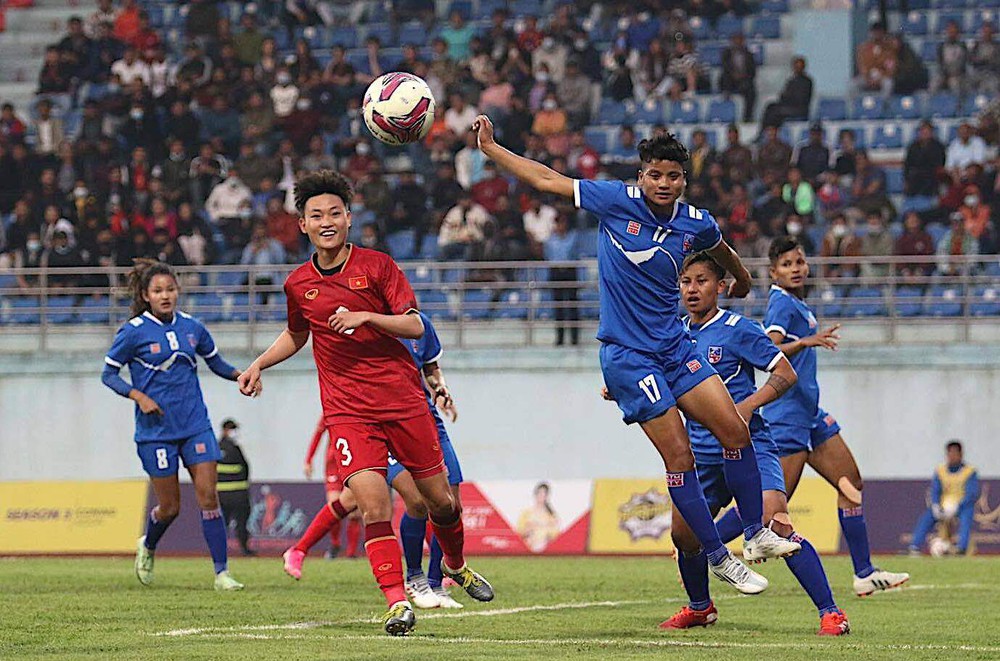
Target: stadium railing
[503,303]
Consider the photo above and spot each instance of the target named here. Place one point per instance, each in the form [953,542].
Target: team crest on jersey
[192,340]
[693,365]
[312,294]
[688,241]
[714,355]
[633,228]
[154,347]
[358,282]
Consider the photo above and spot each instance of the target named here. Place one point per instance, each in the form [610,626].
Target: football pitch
[546,608]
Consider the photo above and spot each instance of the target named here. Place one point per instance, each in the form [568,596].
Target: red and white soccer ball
[398,108]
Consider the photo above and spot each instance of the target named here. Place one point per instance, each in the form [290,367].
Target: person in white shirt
[284,94]
[470,164]
[459,116]
[227,198]
[462,228]
[539,220]
[965,150]
[130,68]
[106,13]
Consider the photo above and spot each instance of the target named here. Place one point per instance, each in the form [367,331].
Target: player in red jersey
[334,486]
[356,302]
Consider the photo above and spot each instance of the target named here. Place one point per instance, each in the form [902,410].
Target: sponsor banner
[71,517]
[630,516]
[892,508]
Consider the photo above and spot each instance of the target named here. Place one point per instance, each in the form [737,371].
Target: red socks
[387,565]
[324,521]
[451,537]
[353,537]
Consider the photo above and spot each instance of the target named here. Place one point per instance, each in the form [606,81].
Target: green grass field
[552,608]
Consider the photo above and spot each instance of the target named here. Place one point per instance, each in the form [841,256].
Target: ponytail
[139,278]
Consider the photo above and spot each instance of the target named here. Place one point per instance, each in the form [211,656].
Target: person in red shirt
[127,22]
[356,303]
[490,188]
[334,487]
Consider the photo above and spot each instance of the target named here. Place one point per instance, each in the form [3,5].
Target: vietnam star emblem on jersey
[714,354]
[358,282]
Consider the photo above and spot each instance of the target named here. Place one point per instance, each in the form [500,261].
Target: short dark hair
[704,258]
[663,148]
[780,246]
[322,182]
[953,444]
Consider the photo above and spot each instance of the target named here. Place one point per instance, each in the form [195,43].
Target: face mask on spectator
[839,231]
[362,149]
[580,44]
[794,227]
[80,191]
[548,43]
[303,104]
[542,77]
[971,201]
[284,79]
[113,88]
[550,104]
[245,213]
[34,245]
[136,114]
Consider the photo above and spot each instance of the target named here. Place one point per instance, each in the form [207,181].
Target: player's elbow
[414,329]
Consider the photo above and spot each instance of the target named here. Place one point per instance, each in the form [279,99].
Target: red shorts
[361,446]
[333,481]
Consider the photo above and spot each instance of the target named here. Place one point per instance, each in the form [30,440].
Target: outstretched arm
[283,348]
[538,176]
[827,338]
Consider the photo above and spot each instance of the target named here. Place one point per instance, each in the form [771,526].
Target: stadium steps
[47,21]
[22,95]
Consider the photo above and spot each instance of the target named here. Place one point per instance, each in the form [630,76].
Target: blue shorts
[644,385]
[159,458]
[791,439]
[713,479]
[454,469]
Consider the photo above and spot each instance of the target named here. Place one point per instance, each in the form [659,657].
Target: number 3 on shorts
[161,458]
[345,452]
[648,385]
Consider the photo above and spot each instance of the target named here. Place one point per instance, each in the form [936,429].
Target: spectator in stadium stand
[249,40]
[462,230]
[794,99]
[361,162]
[985,61]
[254,166]
[167,250]
[257,119]
[618,83]
[737,159]
[443,65]
[799,194]
[263,250]
[736,212]
[955,242]
[924,163]
[479,64]
[953,61]
[208,170]
[876,62]
[75,47]
[910,75]
[553,55]
[228,206]
[105,52]
[12,128]
[739,72]
[868,190]
[195,66]
[770,205]
[754,245]
[469,162]
[651,80]
[583,160]
[496,99]
[831,197]
[30,257]
[774,154]
[445,191]
[406,206]
[509,240]
[622,160]
[814,156]
[845,161]
[574,95]
[702,156]
[105,13]
[563,245]
[141,129]
[270,61]
[303,123]
[46,130]
[55,76]
[203,18]
[685,72]
[283,227]
[62,254]
[516,69]
[530,38]
[914,242]
[966,149]
[876,242]
[539,222]
[487,190]
[457,34]
[840,241]
[459,116]
[586,56]
[131,67]
[977,218]
[371,238]
[284,94]
[551,124]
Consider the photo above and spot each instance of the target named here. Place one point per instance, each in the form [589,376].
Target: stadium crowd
[190,156]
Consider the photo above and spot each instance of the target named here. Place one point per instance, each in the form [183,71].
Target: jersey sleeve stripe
[112,362]
[716,244]
[212,354]
[435,358]
[774,362]
[776,327]
[576,193]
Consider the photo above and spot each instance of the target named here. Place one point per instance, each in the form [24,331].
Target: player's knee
[678,460]
[376,513]
[167,511]
[735,433]
[208,501]
[417,510]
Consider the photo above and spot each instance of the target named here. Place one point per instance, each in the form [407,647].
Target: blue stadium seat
[526,7]
[943,104]
[95,310]
[429,247]
[929,50]
[413,33]
[981,16]
[590,304]
[905,107]
[711,54]
[611,112]
[513,305]
[866,302]
[588,242]
[402,244]
[157,16]
[945,17]
[685,112]
[936,230]
[950,4]
[757,50]
[909,301]
[384,32]
[831,110]
[650,112]
[61,310]
[344,36]
[860,134]
[477,304]
[275,310]
[831,302]
[699,28]
[721,111]
[894,180]
[207,307]
[775,6]
[541,300]
[235,307]
[887,136]
[868,106]
[463,7]
[419,275]
[974,104]
[728,25]
[986,302]
[944,301]
[915,24]
[230,279]
[766,27]
[598,138]
[452,276]
[993,268]
[434,303]
[24,310]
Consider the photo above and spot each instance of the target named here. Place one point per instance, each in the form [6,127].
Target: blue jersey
[427,350]
[735,346]
[791,317]
[639,255]
[162,361]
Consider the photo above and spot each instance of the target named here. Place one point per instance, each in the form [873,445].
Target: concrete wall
[542,418]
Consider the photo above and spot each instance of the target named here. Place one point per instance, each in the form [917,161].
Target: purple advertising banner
[892,508]
[279,514]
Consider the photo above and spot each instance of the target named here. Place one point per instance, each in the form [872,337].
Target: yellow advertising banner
[814,514]
[71,517]
[630,516]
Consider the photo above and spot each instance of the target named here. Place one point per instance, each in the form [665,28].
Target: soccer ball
[398,108]
[939,547]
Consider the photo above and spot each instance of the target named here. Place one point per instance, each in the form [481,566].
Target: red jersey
[365,375]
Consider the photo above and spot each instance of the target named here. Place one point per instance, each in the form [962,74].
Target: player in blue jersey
[650,367]
[736,346]
[160,345]
[804,432]
[424,590]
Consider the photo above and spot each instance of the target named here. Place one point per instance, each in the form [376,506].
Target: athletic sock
[155,528]
[434,574]
[743,480]
[852,522]
[729,525]
[383,555]
[213,527]
[451,537]
[353,537]
[411,534]
[335,534]
[321,524]
[689,499]
[694,575]
[808,569]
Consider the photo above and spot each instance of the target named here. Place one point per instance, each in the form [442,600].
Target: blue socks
[694,575]
[809,571]
[213,527]
[155,529]
[743,480]
[852,522]
[729,525]
[434,574]
[411,534]
[689,499]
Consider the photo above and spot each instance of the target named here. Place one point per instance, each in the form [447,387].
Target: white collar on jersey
[718,315]
[150,315]
[777,288]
